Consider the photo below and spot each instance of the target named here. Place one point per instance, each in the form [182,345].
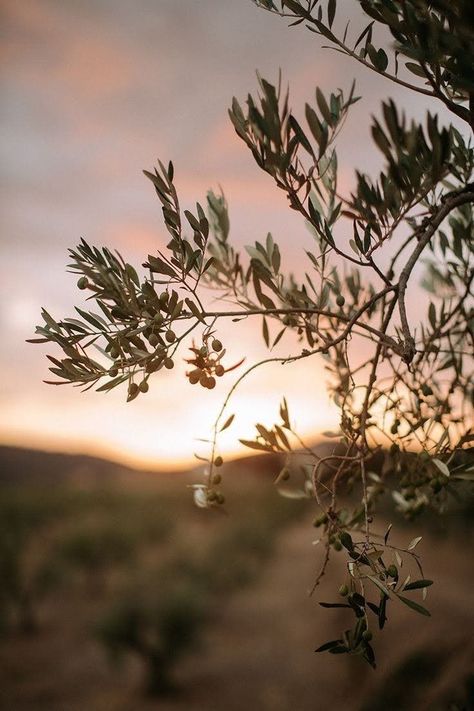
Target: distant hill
[21,466]
[29,466]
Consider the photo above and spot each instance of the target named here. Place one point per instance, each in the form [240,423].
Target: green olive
[83,283]
[216,345]
[170,336]
[436,485]
[144,387]
[218,461]
[153,340]
[320,521]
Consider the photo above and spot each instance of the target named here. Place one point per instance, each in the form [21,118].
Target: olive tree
[404,387]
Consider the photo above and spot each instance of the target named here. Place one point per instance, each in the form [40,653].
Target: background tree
[400,384]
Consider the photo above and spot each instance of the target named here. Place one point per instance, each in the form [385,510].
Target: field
[118,594]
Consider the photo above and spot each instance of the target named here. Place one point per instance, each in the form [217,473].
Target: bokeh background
[93,92]
[116,592]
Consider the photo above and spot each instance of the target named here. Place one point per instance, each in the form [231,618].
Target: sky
[94,91]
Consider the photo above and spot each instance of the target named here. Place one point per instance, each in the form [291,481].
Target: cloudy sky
[93,92]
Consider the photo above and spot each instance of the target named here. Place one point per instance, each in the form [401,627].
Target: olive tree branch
[450,203]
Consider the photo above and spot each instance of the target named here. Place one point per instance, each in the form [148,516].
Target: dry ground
[258,652]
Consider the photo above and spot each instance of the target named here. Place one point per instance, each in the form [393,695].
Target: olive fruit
[320,521]
[144,387]
[367,635]
[392,571]
[153,340]
[113,372]
[169,364]
[218,461]
[344,591]
[216,479]
[170,336]
[216,345]
[436,485]
[83,283]
[219,370]
[340,300]
[152,366]
[133,389]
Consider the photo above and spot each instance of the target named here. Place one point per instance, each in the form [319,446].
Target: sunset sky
[93,92]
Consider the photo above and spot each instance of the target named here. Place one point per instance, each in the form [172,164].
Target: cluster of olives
[159,335]
[134,388]
[207,365]
[214,496]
